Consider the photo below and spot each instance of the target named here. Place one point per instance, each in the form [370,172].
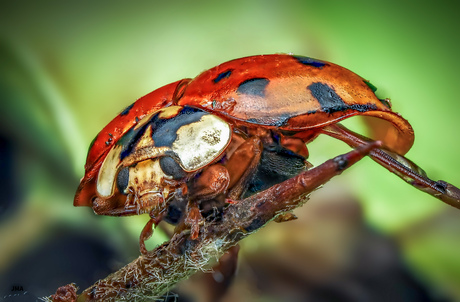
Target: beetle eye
[123,179]
[172,168]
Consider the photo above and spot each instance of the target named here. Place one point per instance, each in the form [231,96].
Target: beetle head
[152,159]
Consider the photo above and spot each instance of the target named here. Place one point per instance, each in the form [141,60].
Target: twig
[152,275]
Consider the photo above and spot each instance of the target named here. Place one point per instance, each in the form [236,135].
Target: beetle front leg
[399,165]
[213,181]
[193,219]
[241,166]
[147,231]
[217,179]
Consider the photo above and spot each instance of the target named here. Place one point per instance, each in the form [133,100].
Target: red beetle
[234,130]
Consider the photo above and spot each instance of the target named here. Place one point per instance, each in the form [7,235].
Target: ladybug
[190,147]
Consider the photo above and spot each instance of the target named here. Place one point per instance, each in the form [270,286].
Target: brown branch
[152,275]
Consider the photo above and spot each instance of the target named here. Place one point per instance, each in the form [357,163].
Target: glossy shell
[294,93]
[291,93]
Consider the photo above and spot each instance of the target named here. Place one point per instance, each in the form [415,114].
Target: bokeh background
[67,68]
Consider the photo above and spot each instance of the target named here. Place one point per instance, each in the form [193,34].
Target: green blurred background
[67,68]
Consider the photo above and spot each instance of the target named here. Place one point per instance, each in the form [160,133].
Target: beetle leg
[399,165]
[212,181]
[193,219]
[241,166]
[216,179]
[147,231]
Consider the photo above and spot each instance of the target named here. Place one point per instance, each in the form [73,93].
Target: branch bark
[154,274]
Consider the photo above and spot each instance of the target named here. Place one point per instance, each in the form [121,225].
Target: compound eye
[123,180]
[171,167]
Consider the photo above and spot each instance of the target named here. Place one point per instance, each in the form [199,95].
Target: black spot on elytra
[271,120]
[254,87]
[127,109]
[309,61]
[326,96]
[223,75]
[331,102]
